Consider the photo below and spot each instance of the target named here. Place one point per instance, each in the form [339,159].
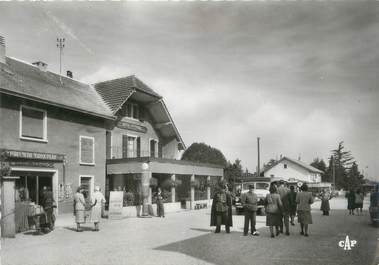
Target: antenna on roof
[60,45]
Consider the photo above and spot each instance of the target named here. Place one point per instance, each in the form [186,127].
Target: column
[146,191]
[8,226]
[173,189]
[208,190]
[192,193]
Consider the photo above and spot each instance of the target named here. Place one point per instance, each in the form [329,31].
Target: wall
[292,171]
[63,130]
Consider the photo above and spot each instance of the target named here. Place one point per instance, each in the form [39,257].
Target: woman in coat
[98,201]
[350,201]
[325,206]
[273,211]
[359,198]
[304,199]
[79,208]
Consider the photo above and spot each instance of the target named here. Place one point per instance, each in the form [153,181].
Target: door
[87,183]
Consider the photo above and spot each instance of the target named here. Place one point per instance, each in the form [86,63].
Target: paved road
[186,238]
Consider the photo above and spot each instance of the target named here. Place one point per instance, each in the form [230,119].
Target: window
[285,165]
[33,124]
[131,110]
[131,146]
[87,150]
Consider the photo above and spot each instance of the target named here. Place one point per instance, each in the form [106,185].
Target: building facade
[289,169]
[59,133]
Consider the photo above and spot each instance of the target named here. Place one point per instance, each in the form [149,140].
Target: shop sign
[130,126]
[115,204]
[31,164]
[33,155]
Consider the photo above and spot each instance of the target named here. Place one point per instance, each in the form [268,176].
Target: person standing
[249,202]
[160,199]
[325,206]
[79,208]
[283,193]
[359,198]
[98,201]
[273,210]
[292,204]
[221,210]
[350,195]
[304,199]
[48,204]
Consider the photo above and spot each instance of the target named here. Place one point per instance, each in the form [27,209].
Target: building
[292,170]
[145,133]
[60,133]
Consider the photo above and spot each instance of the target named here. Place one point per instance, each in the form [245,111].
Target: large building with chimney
[60,133]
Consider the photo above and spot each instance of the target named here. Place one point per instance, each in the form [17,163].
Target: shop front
[33,173]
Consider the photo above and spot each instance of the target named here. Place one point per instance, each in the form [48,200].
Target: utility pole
[60,45]
[258,168]
[334,173]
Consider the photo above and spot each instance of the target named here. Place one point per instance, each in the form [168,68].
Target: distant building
[292,170]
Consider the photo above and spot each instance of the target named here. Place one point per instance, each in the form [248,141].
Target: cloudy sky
[301,75]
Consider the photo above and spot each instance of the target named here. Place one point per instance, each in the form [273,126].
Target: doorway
[30,185]
[87,183]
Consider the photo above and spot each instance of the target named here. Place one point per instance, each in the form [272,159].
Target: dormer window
[131,110]
[285,166]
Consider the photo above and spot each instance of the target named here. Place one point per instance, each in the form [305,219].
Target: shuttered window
[32,123]
[87,150]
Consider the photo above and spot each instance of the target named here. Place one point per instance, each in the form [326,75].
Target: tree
[354,177]
[320,164]
[269,164]
[202,153]
[342,161]
[233,171]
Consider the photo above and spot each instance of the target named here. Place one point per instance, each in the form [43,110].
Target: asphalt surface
[186,238]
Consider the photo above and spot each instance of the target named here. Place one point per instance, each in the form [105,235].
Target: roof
[28,81]
[297,162]
[115,92]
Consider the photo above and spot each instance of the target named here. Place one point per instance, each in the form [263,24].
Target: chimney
[41,65]
[69,74]
[2,49]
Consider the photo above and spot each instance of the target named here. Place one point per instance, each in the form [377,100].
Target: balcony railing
[117,152]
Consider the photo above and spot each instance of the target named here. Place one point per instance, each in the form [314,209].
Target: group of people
[88,208]
[281,206]
[354,201]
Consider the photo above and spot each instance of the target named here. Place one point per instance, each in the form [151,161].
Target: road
[186,238]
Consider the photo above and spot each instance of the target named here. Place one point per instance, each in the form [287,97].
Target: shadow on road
[320,248]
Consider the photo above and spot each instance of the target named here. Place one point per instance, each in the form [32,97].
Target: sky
[302,76]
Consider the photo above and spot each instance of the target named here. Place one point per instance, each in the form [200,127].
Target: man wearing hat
[249,202]
[221,213]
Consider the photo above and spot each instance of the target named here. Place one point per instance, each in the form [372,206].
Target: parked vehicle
[261,188]
[374,208]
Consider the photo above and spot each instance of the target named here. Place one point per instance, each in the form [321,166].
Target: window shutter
[159,149]
[142,113]
[138,146]
[124,146]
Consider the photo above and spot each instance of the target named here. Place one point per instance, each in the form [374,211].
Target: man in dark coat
[48,204]
[221,213]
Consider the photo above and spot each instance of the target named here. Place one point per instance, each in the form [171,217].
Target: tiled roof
[26,80]
[115,92]
[298,162]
